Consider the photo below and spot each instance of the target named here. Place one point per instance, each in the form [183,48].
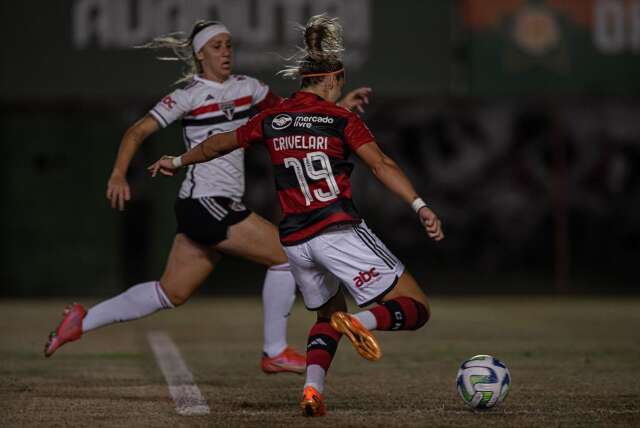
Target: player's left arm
[262,95]
[390,174]
[356,99]
[211,148]
[270,99]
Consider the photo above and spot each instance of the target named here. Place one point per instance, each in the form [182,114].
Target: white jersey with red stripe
[208,108]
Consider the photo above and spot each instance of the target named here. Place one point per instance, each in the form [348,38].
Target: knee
[175,295]
[279,267]
[423,310]
[424,313]
[422,307]
[336,304]
[278,259]
[415,312]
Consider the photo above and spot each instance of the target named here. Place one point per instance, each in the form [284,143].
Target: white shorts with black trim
[350,254]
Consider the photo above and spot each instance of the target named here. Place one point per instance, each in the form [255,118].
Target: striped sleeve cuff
[158,117]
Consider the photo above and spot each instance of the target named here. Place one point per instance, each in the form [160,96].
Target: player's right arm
[389,173]
[118,191]
[213,147]
[165,112]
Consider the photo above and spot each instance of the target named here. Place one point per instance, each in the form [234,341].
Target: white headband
[207,34]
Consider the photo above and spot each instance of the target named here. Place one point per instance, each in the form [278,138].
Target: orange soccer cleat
[312,403]
[288,360]
[361,338]
[69,329]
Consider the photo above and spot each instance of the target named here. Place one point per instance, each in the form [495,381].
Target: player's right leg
[322,344]
[187,267]
[321,293]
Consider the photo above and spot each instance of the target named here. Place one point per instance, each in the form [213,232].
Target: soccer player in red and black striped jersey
[309,140]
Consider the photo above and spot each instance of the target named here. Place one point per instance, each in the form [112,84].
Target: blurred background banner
[465,47]
[89,43]
[552,47]
[516,119]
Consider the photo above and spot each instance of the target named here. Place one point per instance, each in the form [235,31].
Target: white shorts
[350,254]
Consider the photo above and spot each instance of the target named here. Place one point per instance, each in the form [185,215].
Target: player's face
[216,57]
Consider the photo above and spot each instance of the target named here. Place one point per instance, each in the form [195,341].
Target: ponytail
[182,48]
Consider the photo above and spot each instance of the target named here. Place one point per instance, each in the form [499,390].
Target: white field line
[189,401]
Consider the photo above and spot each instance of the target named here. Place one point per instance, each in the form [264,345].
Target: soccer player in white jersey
[211,217]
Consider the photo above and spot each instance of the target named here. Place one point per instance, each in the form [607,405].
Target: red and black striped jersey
[309,141]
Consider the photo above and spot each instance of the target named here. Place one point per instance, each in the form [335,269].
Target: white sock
[278,294]
[367,319]
[137,302]
[315,377]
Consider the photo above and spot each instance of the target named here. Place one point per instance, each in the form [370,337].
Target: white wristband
[417,204]
[177,161]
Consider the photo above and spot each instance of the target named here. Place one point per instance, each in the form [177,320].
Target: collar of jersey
[211,82]
[305,94]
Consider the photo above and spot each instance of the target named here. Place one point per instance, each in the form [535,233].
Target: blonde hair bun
[323,38]
[323,48]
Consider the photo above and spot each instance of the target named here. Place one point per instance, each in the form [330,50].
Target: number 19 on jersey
[317,167]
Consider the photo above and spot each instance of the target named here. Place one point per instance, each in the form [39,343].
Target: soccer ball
[483,381]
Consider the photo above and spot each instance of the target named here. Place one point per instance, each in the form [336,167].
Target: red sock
[401,313]
[322,344]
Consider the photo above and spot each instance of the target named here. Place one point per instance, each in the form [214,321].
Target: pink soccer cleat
[69,329]
[288,360]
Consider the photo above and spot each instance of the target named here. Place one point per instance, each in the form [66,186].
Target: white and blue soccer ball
[483,381]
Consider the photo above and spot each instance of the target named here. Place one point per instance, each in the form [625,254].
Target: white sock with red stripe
[367,319]
[278,295]
[137,302]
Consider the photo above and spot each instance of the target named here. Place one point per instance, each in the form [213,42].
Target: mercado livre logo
[281,121]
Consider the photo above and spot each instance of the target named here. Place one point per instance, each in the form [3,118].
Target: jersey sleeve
[171,108]
[357,133]
[263,96]
[251,132]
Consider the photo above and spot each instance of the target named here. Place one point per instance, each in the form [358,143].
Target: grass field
[573,362]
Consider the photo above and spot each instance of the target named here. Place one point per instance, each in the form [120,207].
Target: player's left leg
[372,273]
[256,239]
[187,266]
[405,307]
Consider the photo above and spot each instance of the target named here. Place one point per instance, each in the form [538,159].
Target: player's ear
[331,81]
[200,55]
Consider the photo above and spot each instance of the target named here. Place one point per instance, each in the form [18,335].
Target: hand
[431,223]
[356,99]
[118,191]
[164,166]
